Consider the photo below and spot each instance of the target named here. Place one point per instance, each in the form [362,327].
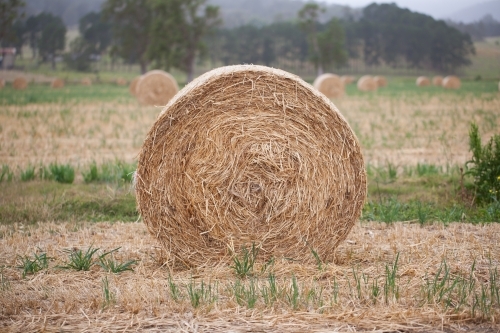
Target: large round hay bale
[2,83]
[133,86]
[156,88]
[347,79]
[423,81]
[121,81]
[451,82]
[250,155]
[330,85]
[437,80]
[367,83]
[57,84]
[86,81]
[20,83]
[381,81]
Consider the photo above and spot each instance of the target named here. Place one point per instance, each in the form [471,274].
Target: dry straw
[451,82]
[57,84]
[133,85]
[156,88]
[20,83]
[250,155]
[86,81]
[381,81]
[347,79]
[367,83]
[330,85]
[121,81]
[423,81]
[437,81]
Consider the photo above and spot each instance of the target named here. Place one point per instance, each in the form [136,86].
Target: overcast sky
[436,8]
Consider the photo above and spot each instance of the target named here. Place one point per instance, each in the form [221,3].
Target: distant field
[422,258]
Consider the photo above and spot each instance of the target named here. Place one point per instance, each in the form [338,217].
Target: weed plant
[79,260]
[109,297]
[243,264]
[108,263]
[28,174]
[33,265]
[6,174]
[63,173]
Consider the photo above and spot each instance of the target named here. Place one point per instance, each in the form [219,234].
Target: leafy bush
[484,166]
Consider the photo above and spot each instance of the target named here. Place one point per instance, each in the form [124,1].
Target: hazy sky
[436,8]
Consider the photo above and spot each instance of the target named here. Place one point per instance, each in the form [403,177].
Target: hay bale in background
[2,83]
[347,79]
[20,83]
[437,81]
[451,82]
[156,88]
[57,84]
[423,81]
[86,81]
[367,83]
[121,81]
[250,154]
[133,86]
[381,81]
[330,85]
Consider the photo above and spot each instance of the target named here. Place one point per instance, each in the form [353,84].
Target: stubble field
[422,257]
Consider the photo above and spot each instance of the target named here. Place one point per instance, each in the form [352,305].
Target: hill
[477,12]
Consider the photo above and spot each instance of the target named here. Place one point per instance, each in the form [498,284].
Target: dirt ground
[61,300]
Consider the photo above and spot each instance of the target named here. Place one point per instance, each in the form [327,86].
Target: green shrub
[28,174]
[484,166]
[62,173]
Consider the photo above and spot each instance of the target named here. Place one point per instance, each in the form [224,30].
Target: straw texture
[133,85]
[367,83]
[329,85]
[86,81]
[156,88]
[57,84]
[250,154]
[423,81]
[347,79]
[381,81]
[451,82]
[437,81]
[20,83]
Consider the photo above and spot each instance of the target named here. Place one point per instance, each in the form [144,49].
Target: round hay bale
[121,81]
[156,88]
[381,81]
[86,81]
[451,82]
[330,85]
[423,81]
[347,79]
[57,84]
[367,83]
[437,81]
[133,86]
[20,83]
[2,83]
[250,155]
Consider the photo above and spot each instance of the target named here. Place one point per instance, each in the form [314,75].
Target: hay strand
[329,85]
[367,83]
[20,83]
[250,154]
[381,81]
[423,81]
[452,82]
[57,84]
[133,86]
[437,81]
[156,88]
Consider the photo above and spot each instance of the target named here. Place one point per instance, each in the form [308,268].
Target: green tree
[177,32]
[331,45]
[131,23]
[52,39]
[95,31]
[9,12]
[308,17]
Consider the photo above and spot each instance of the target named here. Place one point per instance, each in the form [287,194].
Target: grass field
[424,257]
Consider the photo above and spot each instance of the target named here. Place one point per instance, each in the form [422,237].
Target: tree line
[178,33]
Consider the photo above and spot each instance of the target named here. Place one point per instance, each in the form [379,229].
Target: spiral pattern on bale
[330,85]
[250,155]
